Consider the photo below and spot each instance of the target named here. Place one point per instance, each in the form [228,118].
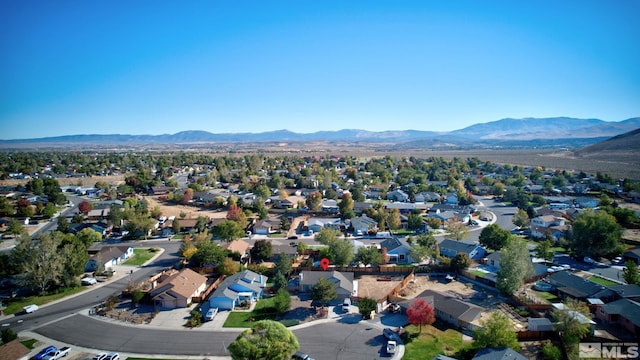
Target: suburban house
[266,226]
[359,206]
[633,255]
[237,288]
[406,208]
[108,256]
[464,209]
[240,246]
[397,250]
[361,225]
[450,248]
[175,289]
[586,202]
[398,195]
[548,226]
[316,224]
[623,313]
[344,282]
[446,216]
[450,309]
[13,350]
[570,285]
[451,198]
[426,197]
[330,206]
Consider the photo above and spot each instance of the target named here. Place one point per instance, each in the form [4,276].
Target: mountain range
[527,132]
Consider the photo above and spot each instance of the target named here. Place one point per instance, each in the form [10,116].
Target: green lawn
[545,295]
[16,306]
[241,319]
[432,342]
[30,343]
[140,256]
[478,273]
[601,281]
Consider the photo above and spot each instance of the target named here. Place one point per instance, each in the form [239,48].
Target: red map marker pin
[324,263]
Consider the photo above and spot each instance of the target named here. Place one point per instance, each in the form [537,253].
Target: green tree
[569,321]
[266,340]
[460,262]
[544,250]
[369,256]
[323,291]
[15,228]
[261,250]
[282,301]
[596,234]
[419,253]
[49,210]
[314,201]
[74,256]
[283,265]
[279,280]
[89,236]
[41,263]
[457,230]
[414,221]
[494,237]
[434,223]
[515,266]
[63,224]
[393,219]
[228,230]
[228,267]
[176,227]
[346,204]
[630,273]
[8,335]
[551,352]
[366,305]
[340,250]
[521,218]
[208,253]
[496,332]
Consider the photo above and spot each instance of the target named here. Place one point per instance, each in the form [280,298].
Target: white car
[211,313]
[391,347]
[100,356]
[112,356]
[30,308]
[88,281]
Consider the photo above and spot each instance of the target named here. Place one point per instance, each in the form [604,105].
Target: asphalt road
[90,298]
[322,341]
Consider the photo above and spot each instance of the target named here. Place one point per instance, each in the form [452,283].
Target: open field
[80,181]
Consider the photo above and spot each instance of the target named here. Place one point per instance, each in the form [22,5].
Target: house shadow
[350,319]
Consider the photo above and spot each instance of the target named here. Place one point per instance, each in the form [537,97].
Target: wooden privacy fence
[209,290]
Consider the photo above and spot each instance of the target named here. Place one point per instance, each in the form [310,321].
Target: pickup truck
[59,354]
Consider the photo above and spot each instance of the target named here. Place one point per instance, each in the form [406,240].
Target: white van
[346,304]
[30,308]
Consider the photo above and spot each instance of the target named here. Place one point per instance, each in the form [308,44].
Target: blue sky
[154,67]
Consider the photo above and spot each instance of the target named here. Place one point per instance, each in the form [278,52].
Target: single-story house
[633,254]
[570,285]
[330,206]
[397,195]
[266,226]
[397,250]
[243,286]
[450,248]
[426,196]
[316,224]
[175,289]
[450,309]
[108,256]
[362,224]
[240,246]
[344,282]
[623,313]
[360,206]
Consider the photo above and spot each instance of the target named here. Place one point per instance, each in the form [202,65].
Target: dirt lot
[83,181]
[192,211]
[369,286]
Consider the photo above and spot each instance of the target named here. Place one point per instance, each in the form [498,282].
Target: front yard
[601,281]
[432,342]
[141,256]
[245,319]
[17,305]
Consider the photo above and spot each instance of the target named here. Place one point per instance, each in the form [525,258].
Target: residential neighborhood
[330,235]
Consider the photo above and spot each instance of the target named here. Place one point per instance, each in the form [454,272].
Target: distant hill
[525,133]
[627,143]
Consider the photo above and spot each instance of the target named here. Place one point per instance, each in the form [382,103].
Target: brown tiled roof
[239,245]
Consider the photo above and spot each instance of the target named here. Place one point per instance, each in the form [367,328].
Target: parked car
[346,304]
[394,307]
[301,356]
[112,356]
[88,281]
[30,308]
[588,260]
[100,356]
[48,351]
[389,334]
[59,354]
[391,347]
[617,260]
[211,313]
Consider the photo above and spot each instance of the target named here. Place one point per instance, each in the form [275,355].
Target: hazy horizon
[150,68]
